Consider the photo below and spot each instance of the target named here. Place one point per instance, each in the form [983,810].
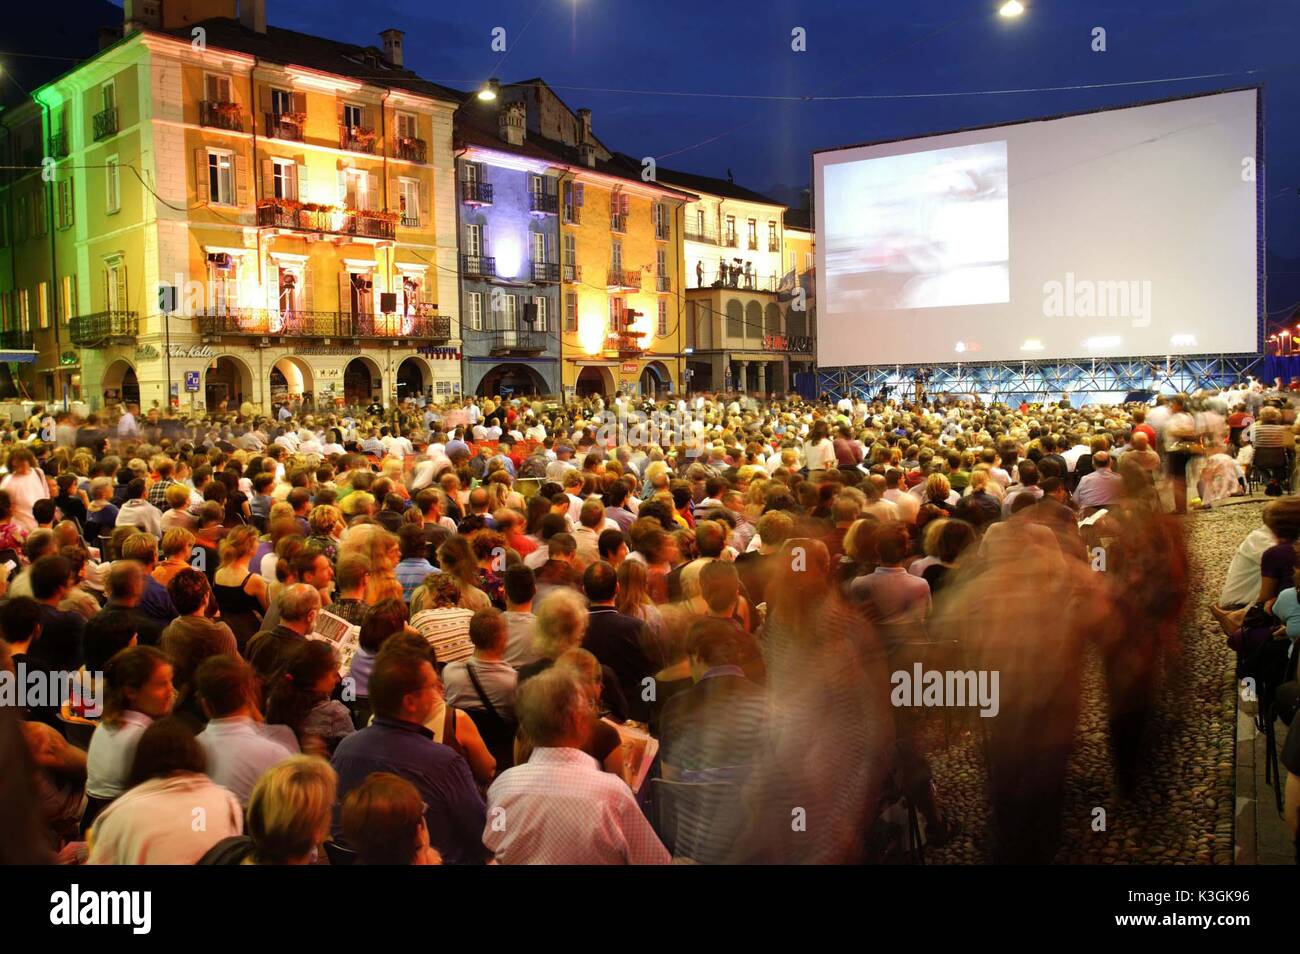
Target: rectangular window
[406,126]
[541,314]
[38,213]
[356,189]
[43,303]
[731,230]
[108,95]
[24,310]
[409,199]
[663,318]
[353,115]
[539,247]
[570,311]
[752,233]
[221,177]
[68,299]
[617,306]
[112,195]
[570,250]
[476,311]
[474,240]
[285,178]
[281,101]
[65,203]
[771,237]
[616,256]
[510,313]
[217,88]
[808,261]
[115,285]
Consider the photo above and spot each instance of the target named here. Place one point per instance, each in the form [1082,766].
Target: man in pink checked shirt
[559,807]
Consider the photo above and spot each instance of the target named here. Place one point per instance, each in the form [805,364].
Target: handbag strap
[478,687]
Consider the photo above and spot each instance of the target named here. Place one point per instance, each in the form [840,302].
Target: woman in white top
[819,452]
[137,690]
[26,484]
[156,822]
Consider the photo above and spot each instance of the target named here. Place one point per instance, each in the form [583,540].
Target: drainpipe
[49,224]
[256,172]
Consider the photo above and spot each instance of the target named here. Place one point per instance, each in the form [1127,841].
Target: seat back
[698,821]
[1269,457]
[338,855]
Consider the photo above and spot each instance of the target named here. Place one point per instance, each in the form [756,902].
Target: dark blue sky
[741,48]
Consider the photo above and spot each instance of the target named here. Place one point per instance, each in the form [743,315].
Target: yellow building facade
[259,217]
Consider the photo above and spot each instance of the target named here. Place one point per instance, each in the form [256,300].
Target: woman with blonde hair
[937,491]
[633,599]
[241,595]
[327,525]
[561,624]
[288,819]
[177,545]
[381,550]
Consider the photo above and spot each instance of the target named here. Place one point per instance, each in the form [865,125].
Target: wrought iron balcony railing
[698,233]
[413,150]
[571,272]
[735,278]
[104,123]
[546,272]
[357,139]
[104,326]
[358,222]
[286,126]
[625,343]
[221,115]
[663,283]
[267,323]
[410,221]
[618,222]
[479,193]
[543,202]
[731,241]
[478,266]
[59,144]
[624,278]
[572,214]
[519,342]
[773,244]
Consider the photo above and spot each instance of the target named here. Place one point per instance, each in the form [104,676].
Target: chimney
[141,15]
[252,14]
[586,147]
[393,46]
[511,119]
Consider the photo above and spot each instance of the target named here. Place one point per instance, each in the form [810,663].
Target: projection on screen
[1128,232]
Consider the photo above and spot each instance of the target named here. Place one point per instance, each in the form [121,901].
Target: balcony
[571,273]
[267,323]
[624,279]
[59,144]
[733,277]
[663,283]
[409,221]
[546,271]
[291,126]
[572,214]
[357,139]
[626,344]
[221,115]
[104,327]
[329,220]
[773,244]
[476,193]
[547,202]
[661,232]
[730,241]
[518,343]
[412,150]
[16,339]
[701,233]
[618,222]
[104,123]
[478,266]
[753,244]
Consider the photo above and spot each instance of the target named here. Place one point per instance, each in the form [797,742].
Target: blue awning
[24,357]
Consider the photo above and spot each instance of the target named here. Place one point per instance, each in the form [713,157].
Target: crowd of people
[532,589]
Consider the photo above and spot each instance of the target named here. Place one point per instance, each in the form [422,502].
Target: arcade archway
[119,384]
[362,382]
[413,379]
[227,379]
[290,378]
[513,380]
[595,380]
[655,380]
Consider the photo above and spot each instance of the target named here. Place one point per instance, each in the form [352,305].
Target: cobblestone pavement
[1183,811]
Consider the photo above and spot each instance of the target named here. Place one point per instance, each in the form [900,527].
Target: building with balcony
[297,194]
[739,326]
[581,245]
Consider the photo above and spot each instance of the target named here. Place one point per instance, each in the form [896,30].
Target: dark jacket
[268,652]
[615,640]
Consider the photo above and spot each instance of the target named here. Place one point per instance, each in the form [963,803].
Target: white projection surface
[1130,231]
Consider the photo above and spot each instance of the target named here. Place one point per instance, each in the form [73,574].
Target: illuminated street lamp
[489,92]
[1012,8]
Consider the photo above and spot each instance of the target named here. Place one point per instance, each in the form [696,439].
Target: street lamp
[489,92]
[1011,9]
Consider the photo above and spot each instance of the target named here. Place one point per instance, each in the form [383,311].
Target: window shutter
[395,195]
[300,179]
[121,287]
[268,178]
[201,175]
[342,111]
[343,188]
[307,298]
[372,192]
[579,189]
[299,102]
[425,209]
[241,179]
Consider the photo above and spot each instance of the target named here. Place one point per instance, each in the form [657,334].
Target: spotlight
[1012,8]
[489,92]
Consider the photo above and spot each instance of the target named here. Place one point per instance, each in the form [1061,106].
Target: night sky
[732,50]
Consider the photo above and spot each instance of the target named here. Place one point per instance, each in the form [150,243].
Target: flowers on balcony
[361,136]
[230,112]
